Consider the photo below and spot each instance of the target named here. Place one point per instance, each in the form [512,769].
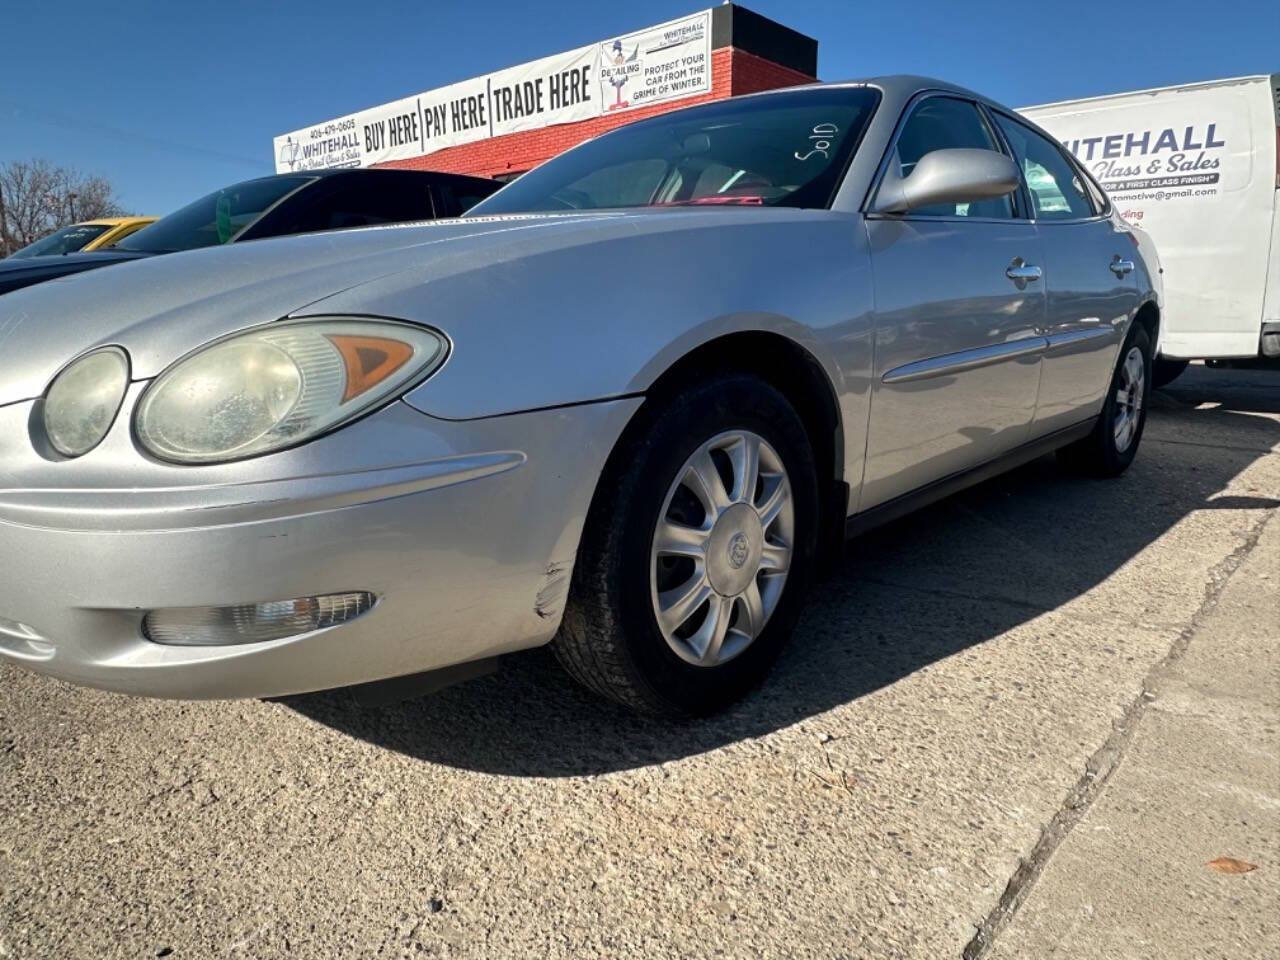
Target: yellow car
[84,237]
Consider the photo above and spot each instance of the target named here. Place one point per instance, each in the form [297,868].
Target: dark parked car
[272,207]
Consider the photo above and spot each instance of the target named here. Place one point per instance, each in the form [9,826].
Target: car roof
[898,83]
[912,81]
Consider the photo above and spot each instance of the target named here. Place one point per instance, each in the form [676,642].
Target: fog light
[253,622]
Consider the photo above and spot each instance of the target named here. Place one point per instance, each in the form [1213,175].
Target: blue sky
[171,100]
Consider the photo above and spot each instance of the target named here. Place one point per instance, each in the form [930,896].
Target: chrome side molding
[1078,336]
[966,360]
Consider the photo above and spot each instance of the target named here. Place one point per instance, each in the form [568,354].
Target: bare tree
[37,198]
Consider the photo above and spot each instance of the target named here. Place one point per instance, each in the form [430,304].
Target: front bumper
[465,531]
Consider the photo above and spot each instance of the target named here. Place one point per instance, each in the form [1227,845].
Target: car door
[959,307]
[1090,287]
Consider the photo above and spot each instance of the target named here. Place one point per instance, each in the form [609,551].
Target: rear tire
[1111,447]
[651,545]
[1166,371]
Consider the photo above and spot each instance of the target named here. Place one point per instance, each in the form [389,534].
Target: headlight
[279,385]
[83,400]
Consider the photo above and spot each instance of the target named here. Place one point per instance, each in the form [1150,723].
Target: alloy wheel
[1129,398]
[722,548]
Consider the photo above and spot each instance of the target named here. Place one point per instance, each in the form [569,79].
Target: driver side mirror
[947,176]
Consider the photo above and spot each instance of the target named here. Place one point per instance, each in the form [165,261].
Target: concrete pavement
[1179,854]
[952,698]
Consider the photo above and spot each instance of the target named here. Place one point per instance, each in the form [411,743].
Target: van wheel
[1111,447]
[697,551]
[1166,371]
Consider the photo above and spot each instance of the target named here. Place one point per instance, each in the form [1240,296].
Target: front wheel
[1111,447]
[697,551]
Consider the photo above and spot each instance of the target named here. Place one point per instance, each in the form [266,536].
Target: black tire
[609,639]
[1099,454]
[1167,371]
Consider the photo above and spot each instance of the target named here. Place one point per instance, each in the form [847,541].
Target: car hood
[161,308]
[71,261]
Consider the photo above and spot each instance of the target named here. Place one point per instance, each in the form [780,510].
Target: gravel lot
[957,687]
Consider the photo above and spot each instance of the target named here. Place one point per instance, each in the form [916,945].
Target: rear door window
[1058,191]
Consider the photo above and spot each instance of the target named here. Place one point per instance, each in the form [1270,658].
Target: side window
[458,199]
[447,202]
[1058,192]
[362,203]
[943,123]
[1095,192]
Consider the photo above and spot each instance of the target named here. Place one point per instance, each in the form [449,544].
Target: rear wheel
[1166,371]
[697,551]
[1111,447]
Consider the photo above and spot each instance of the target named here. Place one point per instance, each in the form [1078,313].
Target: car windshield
[782,149]
[218,218]
[67,240]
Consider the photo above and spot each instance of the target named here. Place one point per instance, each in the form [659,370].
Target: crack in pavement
[1104,761]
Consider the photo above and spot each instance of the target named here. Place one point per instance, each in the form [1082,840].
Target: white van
[1198,168]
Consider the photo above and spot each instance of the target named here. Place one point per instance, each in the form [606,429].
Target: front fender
[1150,280]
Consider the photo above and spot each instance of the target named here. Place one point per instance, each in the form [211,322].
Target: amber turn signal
[369,360]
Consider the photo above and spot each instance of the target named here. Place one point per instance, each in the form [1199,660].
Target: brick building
[744,51]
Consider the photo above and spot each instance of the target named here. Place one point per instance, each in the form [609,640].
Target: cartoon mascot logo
[289,153]
[616,71]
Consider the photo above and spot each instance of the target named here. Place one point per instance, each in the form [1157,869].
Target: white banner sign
[662,63]
[554,89]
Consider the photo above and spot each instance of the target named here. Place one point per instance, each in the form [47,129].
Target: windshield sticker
[222,218]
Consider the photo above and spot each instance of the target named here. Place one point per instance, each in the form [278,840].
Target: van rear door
[1271,305]
[1195,167]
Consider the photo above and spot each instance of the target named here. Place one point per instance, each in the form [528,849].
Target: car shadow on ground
[1253,391]
[944,579]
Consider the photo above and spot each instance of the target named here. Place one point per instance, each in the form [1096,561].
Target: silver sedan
[627,406]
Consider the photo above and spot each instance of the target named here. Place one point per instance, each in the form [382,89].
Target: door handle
[1022,273]
[1120,267]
